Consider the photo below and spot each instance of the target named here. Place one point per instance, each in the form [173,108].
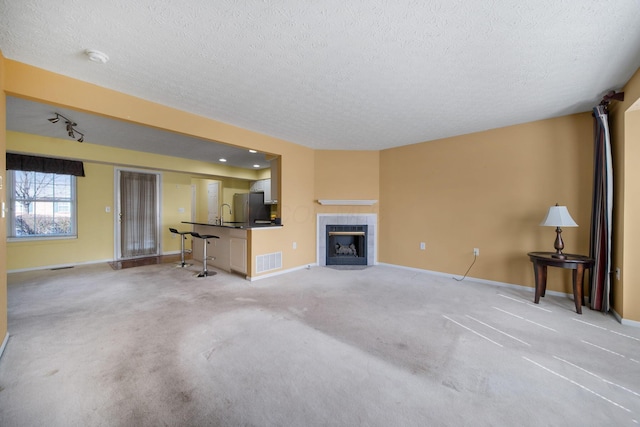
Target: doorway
[138,214]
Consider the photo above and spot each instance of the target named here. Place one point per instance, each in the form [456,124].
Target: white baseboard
[511,285]
[74,264]
[4,344]
[623,321]
[475,279]
[59,266]
[278,273]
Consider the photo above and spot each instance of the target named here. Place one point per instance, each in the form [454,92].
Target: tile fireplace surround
[371,220]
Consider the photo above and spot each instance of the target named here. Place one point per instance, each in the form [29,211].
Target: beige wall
[347,175]
[3,222]
[625,143]
[631,246]
[487,190]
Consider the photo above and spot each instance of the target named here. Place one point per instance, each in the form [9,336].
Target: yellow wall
[297,162]
[96,192]
[95,241]
[202,203]
[3,222]
[95,227]
[487,190]
[176,207]
[70,149]
[228,187]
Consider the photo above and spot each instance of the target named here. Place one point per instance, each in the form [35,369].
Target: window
[41,204]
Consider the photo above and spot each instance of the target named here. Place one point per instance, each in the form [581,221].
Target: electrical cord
[468,269]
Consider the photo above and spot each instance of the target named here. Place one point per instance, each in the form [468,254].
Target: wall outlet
[476,251]
[295,245]
[422,246]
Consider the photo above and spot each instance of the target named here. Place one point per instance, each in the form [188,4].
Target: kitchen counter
[241,225]
[230,251]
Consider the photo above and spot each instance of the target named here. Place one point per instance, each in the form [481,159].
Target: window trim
[11,217]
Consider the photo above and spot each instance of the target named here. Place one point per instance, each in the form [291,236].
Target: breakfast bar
[229,252]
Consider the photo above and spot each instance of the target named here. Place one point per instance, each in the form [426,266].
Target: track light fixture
[70,126]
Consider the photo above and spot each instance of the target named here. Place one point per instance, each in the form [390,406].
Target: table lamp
[558,216]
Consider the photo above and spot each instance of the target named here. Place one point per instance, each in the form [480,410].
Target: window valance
[22,162]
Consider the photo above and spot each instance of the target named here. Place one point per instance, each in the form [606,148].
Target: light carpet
[382,346]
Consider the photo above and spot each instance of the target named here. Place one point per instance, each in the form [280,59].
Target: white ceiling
[336,74]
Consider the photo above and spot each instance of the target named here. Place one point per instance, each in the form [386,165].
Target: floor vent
[268,262]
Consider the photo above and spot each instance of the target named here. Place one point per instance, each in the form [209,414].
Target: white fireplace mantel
[344,202]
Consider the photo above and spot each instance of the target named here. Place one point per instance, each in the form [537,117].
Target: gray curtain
[138,216]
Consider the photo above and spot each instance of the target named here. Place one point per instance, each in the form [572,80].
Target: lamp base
[558,245]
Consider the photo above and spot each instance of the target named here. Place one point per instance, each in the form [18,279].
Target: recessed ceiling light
[252,151]
[223,160]
[96,56]
[256,166]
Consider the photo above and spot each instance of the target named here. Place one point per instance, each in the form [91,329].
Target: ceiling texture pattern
[335,74]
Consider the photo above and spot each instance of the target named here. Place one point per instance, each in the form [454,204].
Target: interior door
[138,214]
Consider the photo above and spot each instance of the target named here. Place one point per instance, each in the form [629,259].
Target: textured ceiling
[335,74]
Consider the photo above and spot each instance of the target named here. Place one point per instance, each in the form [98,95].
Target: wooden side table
[577,263]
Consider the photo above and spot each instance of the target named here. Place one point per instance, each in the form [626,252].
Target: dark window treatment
[21,162]
[602,212]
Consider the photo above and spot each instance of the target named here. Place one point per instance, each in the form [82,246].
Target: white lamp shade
[558,216]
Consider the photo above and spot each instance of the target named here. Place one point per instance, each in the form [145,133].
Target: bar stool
[182,239]
[205,238]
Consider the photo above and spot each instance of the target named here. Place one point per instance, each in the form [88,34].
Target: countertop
[241,225]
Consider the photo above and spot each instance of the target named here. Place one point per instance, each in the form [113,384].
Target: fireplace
[346,244]
[350,220]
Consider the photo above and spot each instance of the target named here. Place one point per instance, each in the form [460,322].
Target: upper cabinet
[270,187]
[262,185]
[275,181]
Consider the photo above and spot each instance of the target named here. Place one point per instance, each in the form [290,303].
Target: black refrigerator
[250,207]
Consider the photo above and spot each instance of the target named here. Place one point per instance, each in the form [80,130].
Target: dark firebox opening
[346,245]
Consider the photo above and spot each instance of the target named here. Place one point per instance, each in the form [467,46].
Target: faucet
[222,212]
